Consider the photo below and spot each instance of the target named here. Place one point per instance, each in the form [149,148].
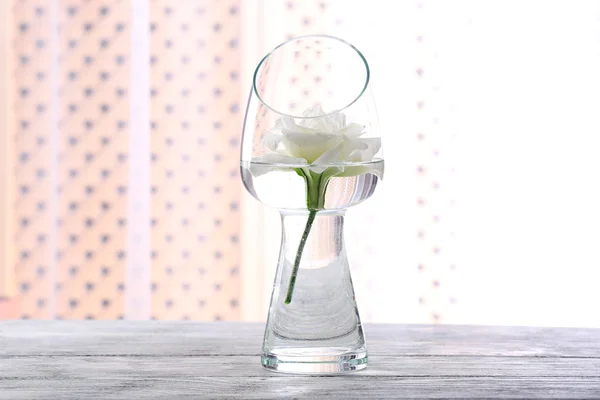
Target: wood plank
[145,360]
[278,387]
[178,367]
[220,338]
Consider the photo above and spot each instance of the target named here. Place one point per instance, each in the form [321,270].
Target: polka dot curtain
[434,170]
[85,251]
[126,117]
[196,122]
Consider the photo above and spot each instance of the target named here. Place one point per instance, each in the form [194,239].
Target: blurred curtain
[120,124]
[126,117]
[122,192]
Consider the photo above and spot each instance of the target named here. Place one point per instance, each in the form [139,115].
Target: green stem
[311,217]
[316,184]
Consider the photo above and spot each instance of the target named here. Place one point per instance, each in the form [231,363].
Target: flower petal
[370,147]
[271,140]
[373,146]
[336,121]
[342,151]
[352,130]
[273,162]
[317,139]
[314,111]
[339,153]
[332,123]
[288,124]
[309,147]
[356,170]
[317,125]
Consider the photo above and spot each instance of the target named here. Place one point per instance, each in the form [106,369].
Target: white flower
[317,140]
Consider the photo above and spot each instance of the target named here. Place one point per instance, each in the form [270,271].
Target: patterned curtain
[126,124]
[119,140]
[124,119]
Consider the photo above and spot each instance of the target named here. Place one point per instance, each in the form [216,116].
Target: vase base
[304,361]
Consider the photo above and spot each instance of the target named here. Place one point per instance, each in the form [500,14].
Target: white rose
[318,140]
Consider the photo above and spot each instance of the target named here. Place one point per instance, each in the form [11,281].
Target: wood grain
[302,387]
[146,360]
[173,367]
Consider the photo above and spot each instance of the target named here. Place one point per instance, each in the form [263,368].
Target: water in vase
[283,188]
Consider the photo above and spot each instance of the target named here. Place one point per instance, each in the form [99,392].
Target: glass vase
[313,324]
[311,148]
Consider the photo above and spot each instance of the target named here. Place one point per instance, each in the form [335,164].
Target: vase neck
[325,239]
[313,297]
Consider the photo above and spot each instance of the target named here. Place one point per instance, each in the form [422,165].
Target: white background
[512,101]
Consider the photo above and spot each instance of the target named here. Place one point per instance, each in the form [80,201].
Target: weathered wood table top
[144,360]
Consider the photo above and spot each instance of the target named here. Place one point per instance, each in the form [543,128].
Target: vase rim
[329,37]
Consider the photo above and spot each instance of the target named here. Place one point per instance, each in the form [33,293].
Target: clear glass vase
[320,330]
[311,147]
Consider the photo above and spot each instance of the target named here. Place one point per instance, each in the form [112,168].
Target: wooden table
[144,360]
